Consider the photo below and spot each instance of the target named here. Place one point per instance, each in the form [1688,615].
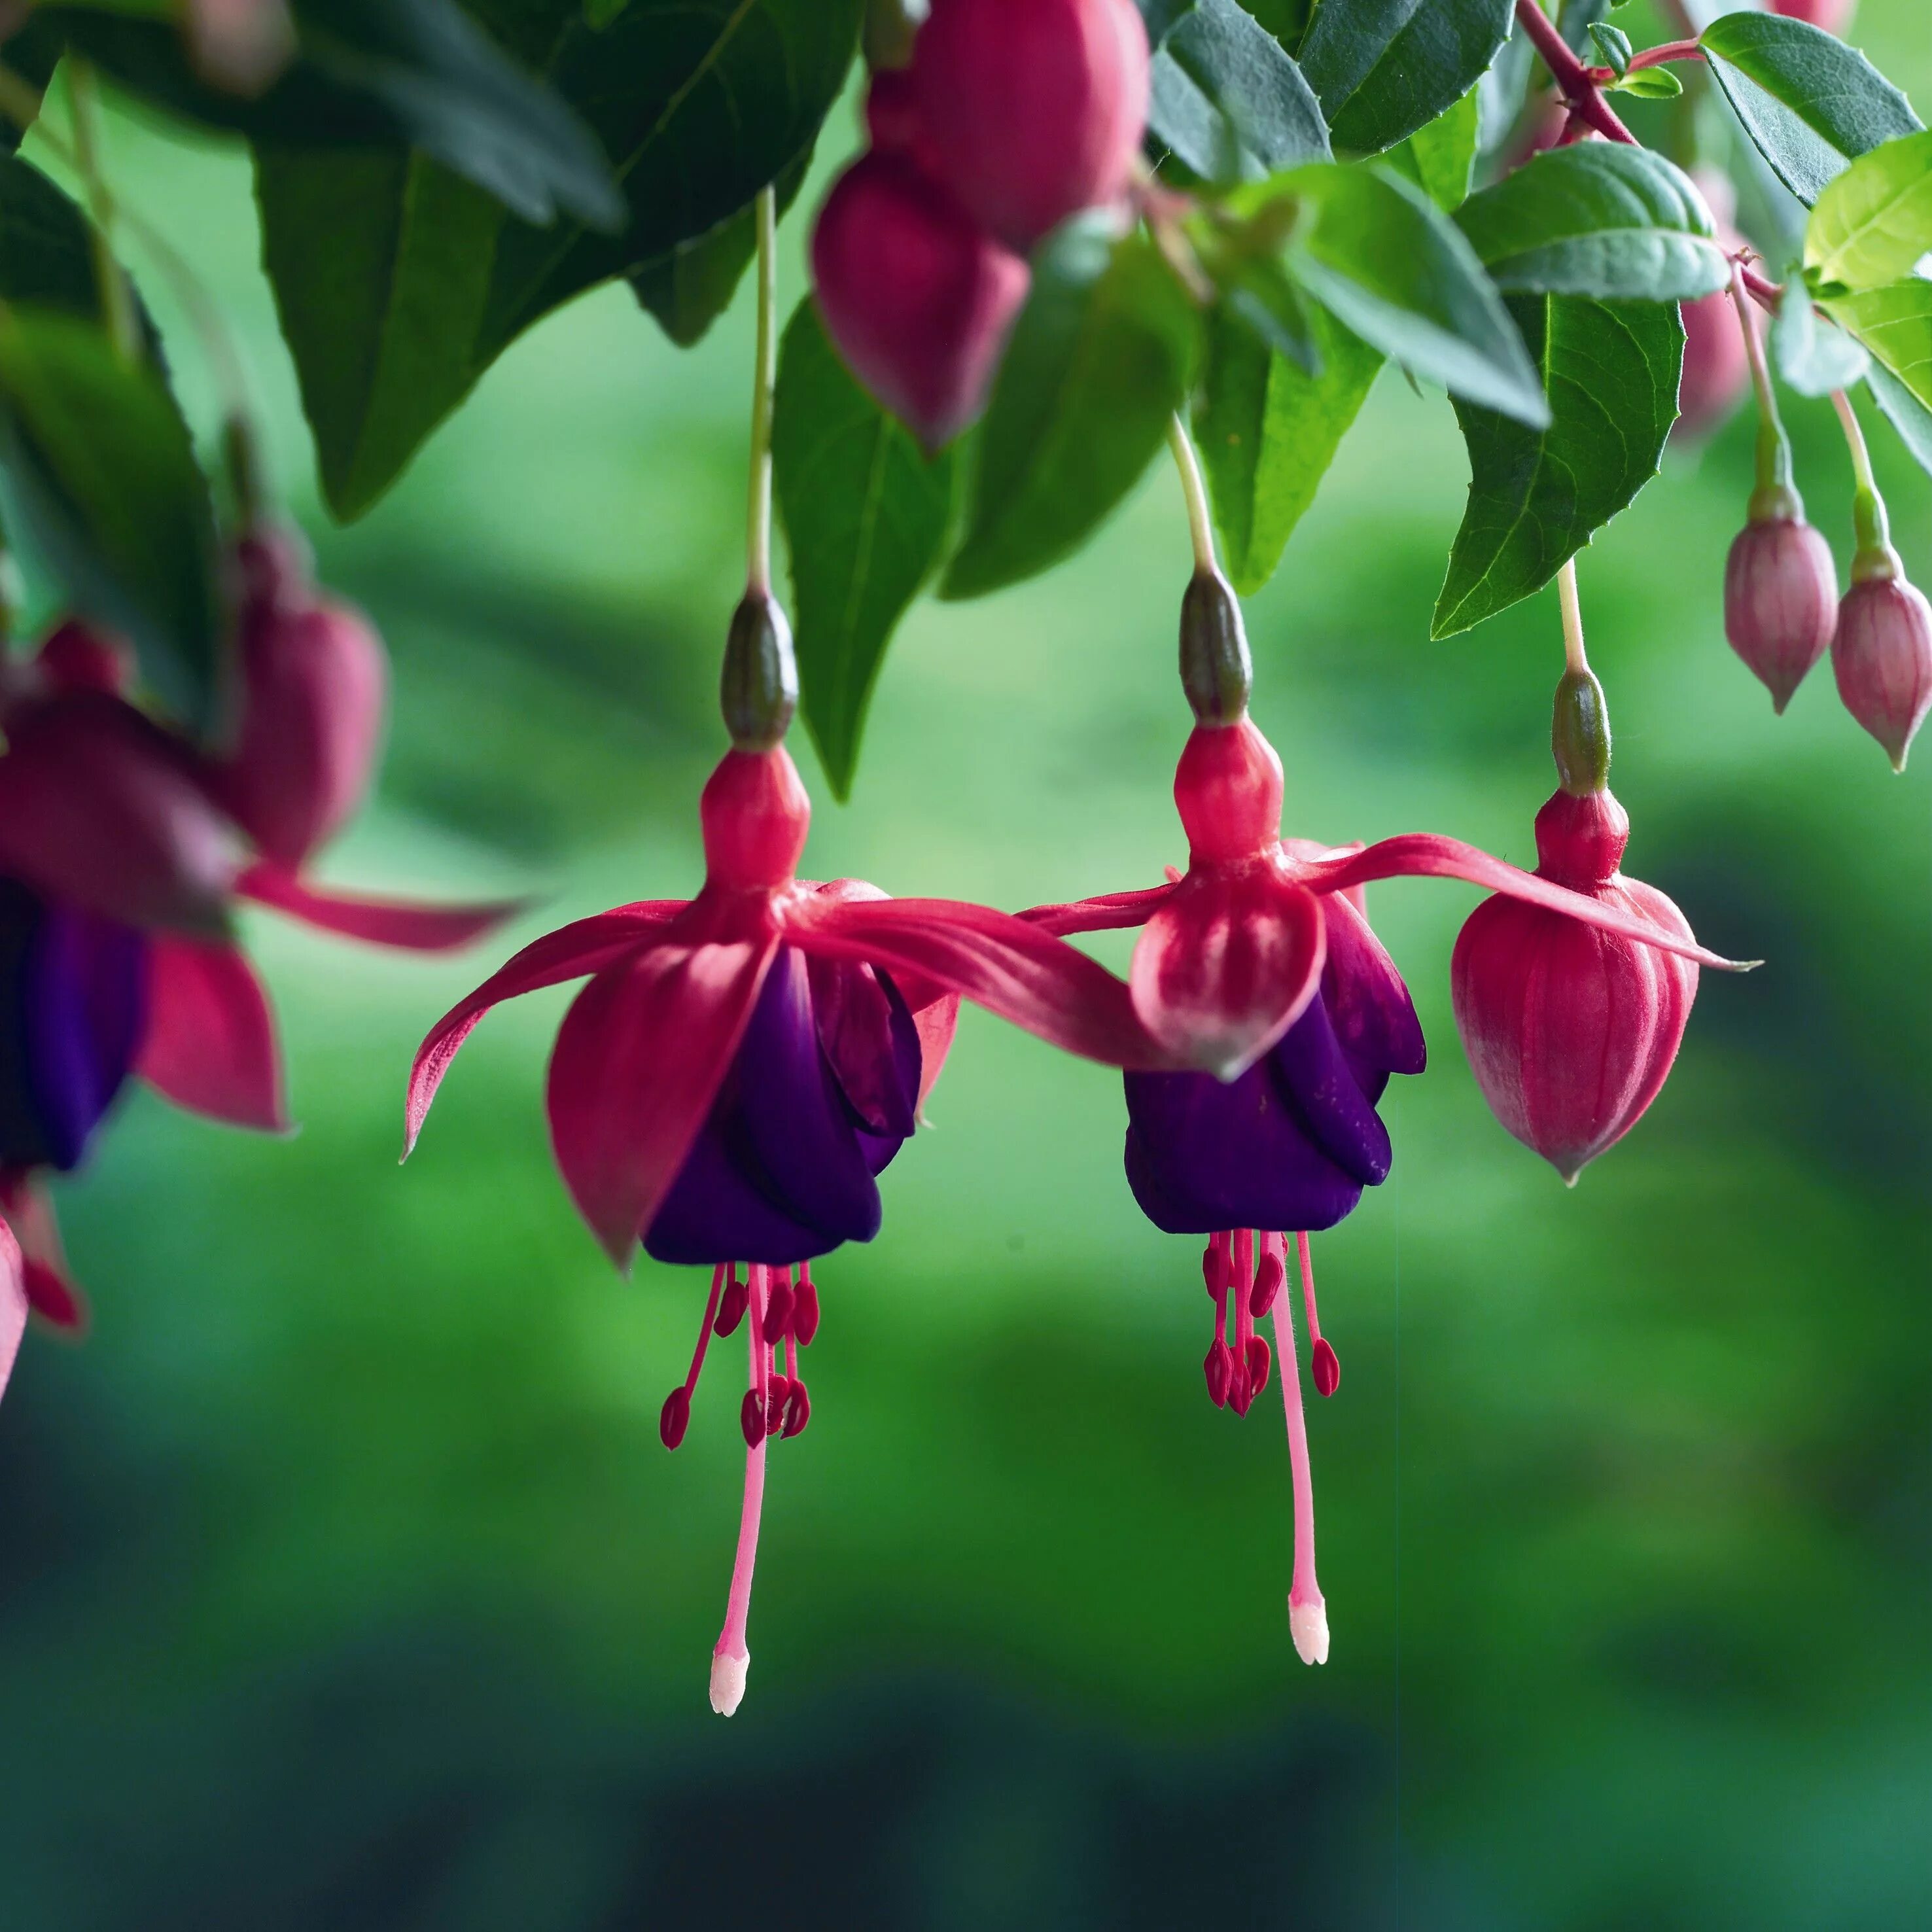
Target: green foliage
[1811,104]
[1909,416]
[1100,359]
[103,484]
[1440,158]
[398,286]
[1228,103]
[47,255]
[1379,253]
[1268,429]
[1597,219]
[1895,324]
[1535,498]
[419,71]
[1813,358]
[1383,68]
[1873,224]
[1160,18]
[866,517]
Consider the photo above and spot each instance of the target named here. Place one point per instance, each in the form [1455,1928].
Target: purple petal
[1331,1105]
[1373,1016]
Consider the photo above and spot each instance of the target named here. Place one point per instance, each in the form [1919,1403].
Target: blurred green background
[343,1581]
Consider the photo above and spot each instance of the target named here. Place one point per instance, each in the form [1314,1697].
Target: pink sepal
[1228,964]
[1010,967]
[210,1045]
[638,1061]
[1109,913]
[404,923]
[585,946]
[1428,855]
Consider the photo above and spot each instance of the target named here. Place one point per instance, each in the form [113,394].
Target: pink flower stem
[728,1686]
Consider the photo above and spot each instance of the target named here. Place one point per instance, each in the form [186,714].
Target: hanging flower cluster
[1072,222]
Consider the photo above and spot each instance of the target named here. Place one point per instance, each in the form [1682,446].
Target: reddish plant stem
[1671,50]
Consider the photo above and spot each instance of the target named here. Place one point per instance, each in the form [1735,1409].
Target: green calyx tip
[758,693]
[1216,671]
[1775,503]
[1579,734]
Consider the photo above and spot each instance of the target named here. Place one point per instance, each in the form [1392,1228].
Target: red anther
[731,1308]
[1218,1368]
[777,1311]
[804,1314]
[797,1408]
[675,1418]
[1268,1279]
[751,1419]
[1241,1388]
[775,1397]
[1211,1268]
[1327,1370]
[1260,1359]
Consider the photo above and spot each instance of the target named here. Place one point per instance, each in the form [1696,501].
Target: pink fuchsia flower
[1258,962]
[741,1067]
[1571,1030]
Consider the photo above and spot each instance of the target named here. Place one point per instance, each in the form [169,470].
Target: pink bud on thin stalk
[916,299]
[314,686]
[1034,108]
[1780,600]
[1883,656]
[1716,366]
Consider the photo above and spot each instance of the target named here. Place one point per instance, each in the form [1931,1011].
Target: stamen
[777,1306]
[731,1311]
[1241,1383]
[1219,1365]
[805,1307]
[751,1411]
[731,1657]
[797,1403]
[675,1417]
[1269,1276]
[1307,1614]
[1326,1369]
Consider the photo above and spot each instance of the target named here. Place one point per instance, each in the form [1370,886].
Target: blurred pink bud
[314,683]
[241,45]
[100,807]
[1717,366]
[1882,653]
[916,299]
[1834,16]
[1780,600]
[892,115]
[1570,1030]
[1034,108]
[75,656]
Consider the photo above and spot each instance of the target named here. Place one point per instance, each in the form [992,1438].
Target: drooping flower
[1882,653]
[1571,1030]
[1780,599]
[1257,961]
[741,1067]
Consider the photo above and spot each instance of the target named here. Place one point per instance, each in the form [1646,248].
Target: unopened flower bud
[314,689]
[1216,670]
[1780,599]
[1881,652]
[758,692]
[1035,108]
[917,300]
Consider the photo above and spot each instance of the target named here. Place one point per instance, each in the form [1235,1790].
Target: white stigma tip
[728,1679]
[1308,1625]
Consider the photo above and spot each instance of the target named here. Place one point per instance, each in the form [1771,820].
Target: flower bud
[1035,108]
[758,691]
[100,806]
[1571,1031]
[1882,654]
[1780,600]
[314,686]
[1717,366]
[916,299]
[1834,16]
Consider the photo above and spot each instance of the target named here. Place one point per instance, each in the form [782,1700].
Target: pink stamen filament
[719,1275]
[1308,1288]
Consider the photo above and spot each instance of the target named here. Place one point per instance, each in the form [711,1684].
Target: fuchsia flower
[741,1067]
[1259,963]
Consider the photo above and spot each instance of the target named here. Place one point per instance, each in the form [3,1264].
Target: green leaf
[1872,225]
[1813,359]
[399,285]
[1895,324]
[688,289]
[1911,418]
[1383,68]
[1440,157]
[1613,46]
[47,253]
[1228,102]
[1534,499]
[866,517]
[1392,268]
[1099,360]
[371,71]
[102,481]
[1160,18]
[602,13]
[1597,218]
[1810,104]
[1268,431]
[1649,83]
